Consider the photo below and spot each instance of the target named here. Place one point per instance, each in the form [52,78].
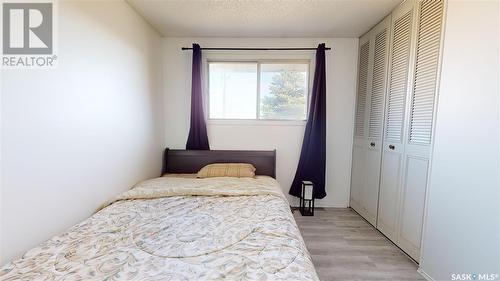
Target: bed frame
[180,161]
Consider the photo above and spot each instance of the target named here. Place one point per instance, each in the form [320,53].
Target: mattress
[178,228]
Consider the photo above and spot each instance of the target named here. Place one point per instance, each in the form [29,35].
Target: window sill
[253,122]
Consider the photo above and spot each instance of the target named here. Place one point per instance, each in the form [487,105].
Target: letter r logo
[27,28]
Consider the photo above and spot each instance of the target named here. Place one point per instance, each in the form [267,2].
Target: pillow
[238,170]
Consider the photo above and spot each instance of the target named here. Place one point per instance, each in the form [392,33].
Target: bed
[178,227]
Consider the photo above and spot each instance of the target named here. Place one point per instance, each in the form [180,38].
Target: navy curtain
[198,138]
[313,154]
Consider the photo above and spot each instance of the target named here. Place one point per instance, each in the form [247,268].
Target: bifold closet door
[413,72]
[360,134]
[376,98]
[393,148]
[420,119]
[369,121]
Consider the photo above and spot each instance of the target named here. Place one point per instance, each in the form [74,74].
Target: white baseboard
[425,275]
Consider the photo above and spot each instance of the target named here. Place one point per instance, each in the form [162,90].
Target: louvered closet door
[420,121]
[375,101]
[393,139]
[360,126]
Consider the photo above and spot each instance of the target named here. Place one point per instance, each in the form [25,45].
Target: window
[258,90]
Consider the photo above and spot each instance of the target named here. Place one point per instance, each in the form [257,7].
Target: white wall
[285,137]
[461,233]
[76,136]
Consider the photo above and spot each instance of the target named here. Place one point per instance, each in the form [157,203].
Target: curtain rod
[256,49]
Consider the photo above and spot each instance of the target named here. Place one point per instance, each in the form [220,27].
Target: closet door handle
[372,144]
[391,147]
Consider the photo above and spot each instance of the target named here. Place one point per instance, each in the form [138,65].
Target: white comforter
[178,229]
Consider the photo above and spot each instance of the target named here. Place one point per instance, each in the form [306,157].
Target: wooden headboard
[180,161]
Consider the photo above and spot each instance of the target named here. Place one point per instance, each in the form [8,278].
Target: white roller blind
[426,66]
[398,77]
[378,85]
[362,88]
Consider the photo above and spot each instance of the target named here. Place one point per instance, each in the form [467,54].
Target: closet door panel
[362,92]
[371,184]
[357,179]
[389,194]
[376,97]
[360,135]
[426,70]
[413,199]
[393,143]
[398,80]
[420,121]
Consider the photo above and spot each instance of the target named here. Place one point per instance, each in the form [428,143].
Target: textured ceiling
[263,18]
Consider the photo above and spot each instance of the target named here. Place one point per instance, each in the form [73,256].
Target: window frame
[259,62]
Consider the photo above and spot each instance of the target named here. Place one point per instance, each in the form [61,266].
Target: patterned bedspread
[178,229]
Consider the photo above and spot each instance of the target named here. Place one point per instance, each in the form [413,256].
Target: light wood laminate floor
[344,246]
